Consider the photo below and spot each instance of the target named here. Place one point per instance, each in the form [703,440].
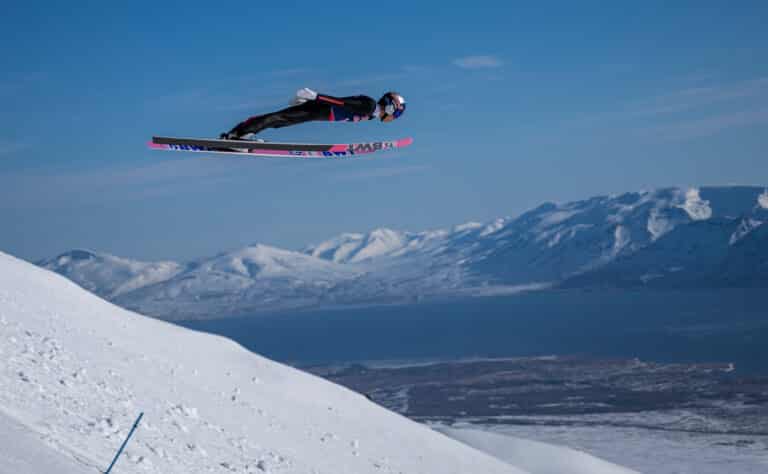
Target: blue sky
[509,105]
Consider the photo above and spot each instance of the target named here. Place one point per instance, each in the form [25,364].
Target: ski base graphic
[269,149]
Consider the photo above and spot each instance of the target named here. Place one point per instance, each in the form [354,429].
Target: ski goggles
[399,111]
[394,109]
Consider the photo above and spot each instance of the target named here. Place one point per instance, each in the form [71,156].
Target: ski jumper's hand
[302,95]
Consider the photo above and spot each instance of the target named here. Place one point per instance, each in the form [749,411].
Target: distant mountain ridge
[665,238]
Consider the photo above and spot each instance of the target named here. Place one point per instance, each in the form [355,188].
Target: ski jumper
[324,107]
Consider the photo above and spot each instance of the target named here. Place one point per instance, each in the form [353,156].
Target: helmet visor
[399,110]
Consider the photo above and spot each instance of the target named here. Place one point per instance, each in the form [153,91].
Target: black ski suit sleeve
[356,104]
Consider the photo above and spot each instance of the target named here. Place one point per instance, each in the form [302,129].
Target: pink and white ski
[279,150]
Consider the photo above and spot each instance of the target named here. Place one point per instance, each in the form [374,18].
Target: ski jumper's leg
[305,112]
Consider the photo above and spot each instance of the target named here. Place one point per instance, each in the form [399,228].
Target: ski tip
[154,146]
[404,142]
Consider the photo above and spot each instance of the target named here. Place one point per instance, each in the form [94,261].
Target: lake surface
[686,326]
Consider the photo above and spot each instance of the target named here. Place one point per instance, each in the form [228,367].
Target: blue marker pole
[120,451]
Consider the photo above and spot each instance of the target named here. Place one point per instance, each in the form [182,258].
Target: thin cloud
[8,87]
[696,97]
[210,97]
[697,128]
[183,98]
[372,79]
[417,68]
[695,77]
[115,183]
[380,173]
[704,99]
[290,72]
[8,147]
[14,83]
[258,104]
[478,62]
[449,107]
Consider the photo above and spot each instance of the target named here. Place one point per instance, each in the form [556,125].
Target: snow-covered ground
[23,451]
[534,456]
[669,237]
[650,451]
[77,370]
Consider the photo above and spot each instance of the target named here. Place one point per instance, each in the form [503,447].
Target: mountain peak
[384,233]
[471,225]
[74,255]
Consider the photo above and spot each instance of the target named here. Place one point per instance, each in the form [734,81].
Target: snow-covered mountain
[247,280]
[727,246]
[712,253]
[552,242]
[704,236]
[77,370]
[107,275]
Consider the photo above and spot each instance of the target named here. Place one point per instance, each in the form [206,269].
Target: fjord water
[672,326]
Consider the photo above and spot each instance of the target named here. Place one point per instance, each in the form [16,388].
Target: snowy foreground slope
[534,456]
[22,451]
[77,370]
[666,238]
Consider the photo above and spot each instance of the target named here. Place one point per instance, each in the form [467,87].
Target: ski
[270,149]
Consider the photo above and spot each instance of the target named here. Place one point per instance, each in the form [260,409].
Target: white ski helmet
[393,106]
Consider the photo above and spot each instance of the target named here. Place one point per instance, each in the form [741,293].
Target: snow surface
[696,207]
[380,242]
[534,456]
[494,226]
[23,451]
[354,248]
[658,225]
[470,226]
[745,227]
[762,199]
[621,238]
[78,370]
[653,450]
[337,249]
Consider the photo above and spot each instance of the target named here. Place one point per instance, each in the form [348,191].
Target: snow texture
[533,456]
[652,450]
[762,199]
[622,238]
[78,370]
[745,227]
[697,208]
[24,451]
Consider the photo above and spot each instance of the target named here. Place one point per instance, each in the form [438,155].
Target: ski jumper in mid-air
[309,106]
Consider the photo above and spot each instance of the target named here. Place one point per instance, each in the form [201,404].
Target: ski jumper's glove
[304,94]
